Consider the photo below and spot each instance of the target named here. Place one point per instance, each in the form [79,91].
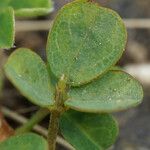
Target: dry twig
[45,25]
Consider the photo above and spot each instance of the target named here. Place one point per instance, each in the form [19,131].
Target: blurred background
[134,123]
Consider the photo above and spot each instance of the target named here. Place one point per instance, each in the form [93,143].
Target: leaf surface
[28,141]
[29,8]
[89,131]
[115,91]
[85,41]
[29,74]
[6,27]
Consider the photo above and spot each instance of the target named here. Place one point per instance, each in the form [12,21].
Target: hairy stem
[53,129]
[60,97]
[36,118]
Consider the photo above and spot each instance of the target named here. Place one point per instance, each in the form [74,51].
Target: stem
[53,129]
[59,108]
[36,118]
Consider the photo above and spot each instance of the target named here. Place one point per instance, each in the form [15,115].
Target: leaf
[4,3]
[34,12]
[29,8]
[29,74]
[89,131]
[115,91]
[23,8]
[28,141]
[6,28]
[85,41]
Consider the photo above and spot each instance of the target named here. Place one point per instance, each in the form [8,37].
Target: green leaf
[85,41]
[27,141]
[23,8]
[6,27]
[4,3]
[29,74]
[89,131]
[32,12]
[29,8]
[115,91]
